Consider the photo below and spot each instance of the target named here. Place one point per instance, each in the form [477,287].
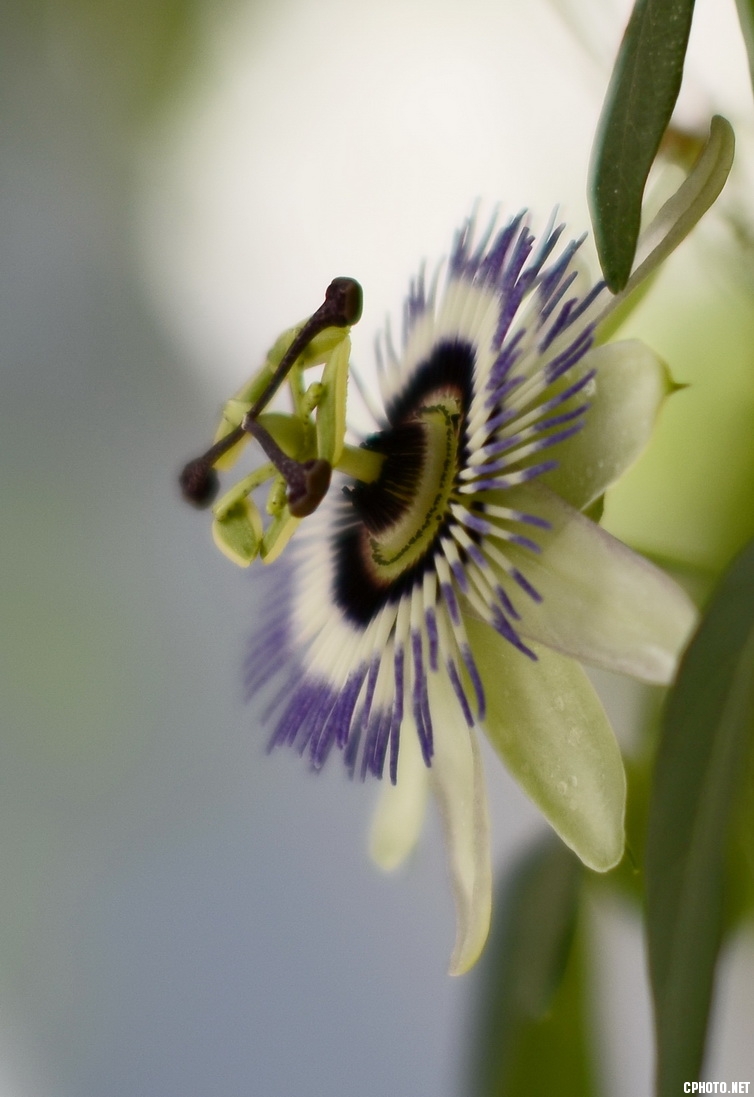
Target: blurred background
[181,914]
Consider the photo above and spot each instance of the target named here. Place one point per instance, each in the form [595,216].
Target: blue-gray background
[181,915]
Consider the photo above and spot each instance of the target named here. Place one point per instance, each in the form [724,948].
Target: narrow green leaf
[640,98]
[675,220]
[707,730]
[530,1038]
[684,209]
[746,19]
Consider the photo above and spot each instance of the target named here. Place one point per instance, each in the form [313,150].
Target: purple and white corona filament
[461,588]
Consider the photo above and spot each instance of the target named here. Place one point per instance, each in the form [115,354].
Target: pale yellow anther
[238,533]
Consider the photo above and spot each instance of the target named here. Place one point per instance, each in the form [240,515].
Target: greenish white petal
[626,395]
[601,603]
[547,724]
[457,781]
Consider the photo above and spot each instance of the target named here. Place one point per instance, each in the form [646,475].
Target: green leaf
[640,98]
[675,220]
[684,209]
[746,19]
[530,1035]
[708,724]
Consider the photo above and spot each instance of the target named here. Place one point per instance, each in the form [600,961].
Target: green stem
[362,464]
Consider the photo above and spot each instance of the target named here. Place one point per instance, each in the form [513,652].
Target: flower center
[424,486]
[385,543]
